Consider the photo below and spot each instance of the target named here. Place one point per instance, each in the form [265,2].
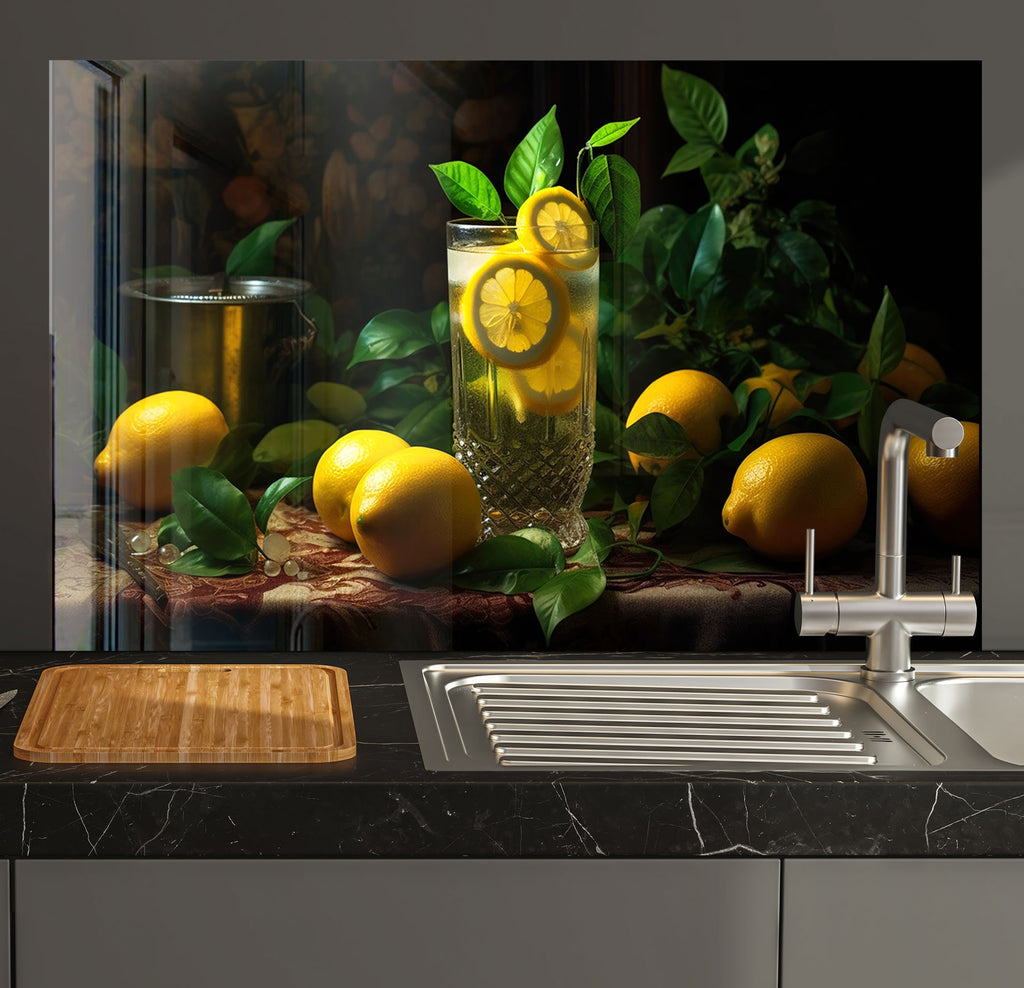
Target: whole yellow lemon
[696,400]
[152,439]
[341,468]
[792,483]
[917,371]
[783,402]
[415,511]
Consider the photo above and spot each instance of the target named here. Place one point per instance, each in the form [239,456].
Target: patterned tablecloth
[345,604]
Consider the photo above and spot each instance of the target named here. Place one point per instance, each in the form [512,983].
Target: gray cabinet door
[5,925]
[391,924]
[935,923]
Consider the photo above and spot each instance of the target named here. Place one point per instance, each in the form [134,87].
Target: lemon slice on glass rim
[515,310]
[553,387]
[557,223]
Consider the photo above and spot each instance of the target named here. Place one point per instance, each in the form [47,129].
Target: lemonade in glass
[524,314]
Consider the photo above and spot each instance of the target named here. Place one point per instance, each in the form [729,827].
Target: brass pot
[235,341]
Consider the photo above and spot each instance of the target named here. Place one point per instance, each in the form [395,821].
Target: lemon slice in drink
[553,387]
[515,310]
[558,223]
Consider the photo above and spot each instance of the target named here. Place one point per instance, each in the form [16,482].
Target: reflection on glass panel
[293,411]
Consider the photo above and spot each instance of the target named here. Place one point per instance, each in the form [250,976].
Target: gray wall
[667,29]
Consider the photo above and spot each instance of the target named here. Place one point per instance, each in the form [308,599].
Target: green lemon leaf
[764,144]
[869,425]
[651,244]
[440,324]
[798,257]
[611,132]
[817,214]
[804,384]
[685,246]
[199,563]
[676,493]
[607,428]
[708,255]
[468,189]
[695,108]
[847,396]
[567,593]
[827,352]
[292,441]
[304,466]
[623,284]
[387,379]
[391,335]
[655,434]
[724,177]
[951,399]
[273,494]
[596,546]
[214,514]
[172,532]
[429,424]
[755,406]
[723,557]
[689,158]
[506,564]
[537,162]
[548,541]
[611,188]
[397,402]
[319,310]
[635,513]
[233,455]
[254,253]
[888,340]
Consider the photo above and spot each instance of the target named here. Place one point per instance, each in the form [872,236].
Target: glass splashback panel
[250,314]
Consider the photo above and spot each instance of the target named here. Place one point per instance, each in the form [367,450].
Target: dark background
[894,145]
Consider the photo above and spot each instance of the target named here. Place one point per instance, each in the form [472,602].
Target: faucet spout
[943,435]
[888,615]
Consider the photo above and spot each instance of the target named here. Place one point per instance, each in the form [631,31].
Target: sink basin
[638,714]
[990,710]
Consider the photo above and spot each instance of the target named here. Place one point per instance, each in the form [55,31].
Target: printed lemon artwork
[700,385]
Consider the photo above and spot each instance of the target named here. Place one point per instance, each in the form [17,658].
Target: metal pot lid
[217,289]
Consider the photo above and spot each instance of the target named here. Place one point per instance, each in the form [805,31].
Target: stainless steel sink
[990,710]
[482,714]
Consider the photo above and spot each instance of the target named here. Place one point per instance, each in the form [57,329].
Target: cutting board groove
[188,713]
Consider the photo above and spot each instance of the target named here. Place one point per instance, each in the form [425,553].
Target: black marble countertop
[384,803]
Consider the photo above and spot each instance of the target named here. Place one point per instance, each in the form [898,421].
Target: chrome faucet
[888,615]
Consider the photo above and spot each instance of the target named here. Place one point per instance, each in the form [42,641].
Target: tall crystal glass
[524,354]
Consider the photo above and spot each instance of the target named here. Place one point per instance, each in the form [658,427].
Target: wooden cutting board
[188,713]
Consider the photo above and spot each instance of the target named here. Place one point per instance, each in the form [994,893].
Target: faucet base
[887,676]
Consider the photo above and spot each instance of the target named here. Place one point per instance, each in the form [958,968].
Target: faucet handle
[956,575]
[809,563]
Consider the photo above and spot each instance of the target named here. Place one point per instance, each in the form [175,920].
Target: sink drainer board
[500,715]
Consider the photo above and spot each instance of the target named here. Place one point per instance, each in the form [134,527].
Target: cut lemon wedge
[515,310]
[553,387]
[558,223]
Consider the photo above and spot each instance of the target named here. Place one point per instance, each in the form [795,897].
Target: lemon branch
[589,151]
[637,547]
